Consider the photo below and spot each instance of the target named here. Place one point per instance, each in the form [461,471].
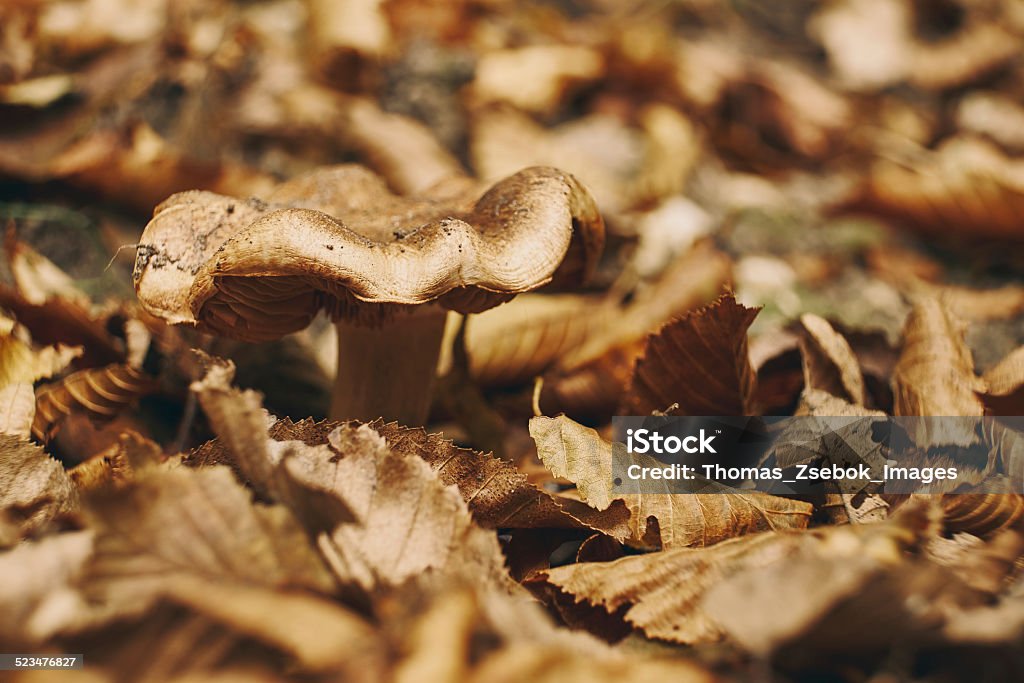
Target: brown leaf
[590,380]
[409,522]
[20,363]
[99,392]
[36,277]
[579,454]
[109,468]
[967,187]
[513,343]
[318,634]
[699,362]
[829,363]
[664,593]
[65,321]
[34,488]
[17,409]
[36,591]
[173,522]
[935,377]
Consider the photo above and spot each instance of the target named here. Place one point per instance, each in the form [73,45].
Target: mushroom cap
[338,240]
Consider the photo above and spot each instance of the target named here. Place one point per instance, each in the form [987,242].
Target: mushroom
[385,268]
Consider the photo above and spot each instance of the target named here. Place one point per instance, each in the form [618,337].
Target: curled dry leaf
[36,277]
[318,634]
[935,377]
[591,380]
[829,363]
[101,393]
[463,633]
[346,33]
[1001,507]
[301,478]
[699,362]
[34,488]
[622,166]
[62,321]
[579,454]
[665,594]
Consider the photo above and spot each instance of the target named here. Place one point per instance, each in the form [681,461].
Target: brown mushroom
[385,268]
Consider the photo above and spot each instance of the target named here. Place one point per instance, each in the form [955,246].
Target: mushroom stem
[388,371]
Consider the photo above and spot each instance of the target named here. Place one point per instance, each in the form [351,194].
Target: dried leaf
[299,477]
[20,363]
[36,277]
[317,633]
[967,187]
[65,321]
[33,487]
[591,379]
[1001,507]
[664,593]
[829,363]
[101,393]
[699,362]
[935,377]
[579,454]
[110,468]
[409,522]
[142,545]
[403,150]
[36,593]
[514,343]
[17,409]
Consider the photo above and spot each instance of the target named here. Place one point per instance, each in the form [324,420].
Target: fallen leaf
[17,409]
[20,363]
[829,363]
[665,594]
[699,362]
[142,546]
[534,78]
[935,377]
[37,591]
[34,489]
[966,187]
[409,522]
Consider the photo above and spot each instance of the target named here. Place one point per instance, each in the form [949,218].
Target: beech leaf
[699,362]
